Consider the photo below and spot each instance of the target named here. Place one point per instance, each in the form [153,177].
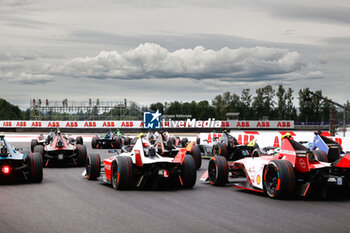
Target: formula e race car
[295,170]
[142,168]
[166,146]
[110,140]
[42,140]
[63,149]
[16,166]
[224,144]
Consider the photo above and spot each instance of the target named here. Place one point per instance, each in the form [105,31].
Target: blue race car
[16,166]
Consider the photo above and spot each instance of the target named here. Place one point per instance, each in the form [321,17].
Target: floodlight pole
[334,103]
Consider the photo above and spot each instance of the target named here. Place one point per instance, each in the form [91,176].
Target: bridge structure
[84,110]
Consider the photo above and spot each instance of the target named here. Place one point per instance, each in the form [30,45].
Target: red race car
[295,170]
[62,148]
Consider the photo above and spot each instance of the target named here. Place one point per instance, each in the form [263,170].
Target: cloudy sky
[157,50]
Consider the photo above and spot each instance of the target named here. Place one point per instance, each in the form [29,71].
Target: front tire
[93,166]
[122,173]
[279,179]
[218,171]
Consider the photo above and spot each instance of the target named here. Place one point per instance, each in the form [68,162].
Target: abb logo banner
[211,123]
[71,124]
[261,124]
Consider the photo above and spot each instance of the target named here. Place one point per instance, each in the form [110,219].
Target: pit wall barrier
[189,123]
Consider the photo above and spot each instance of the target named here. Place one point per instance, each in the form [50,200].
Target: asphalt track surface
[67,202]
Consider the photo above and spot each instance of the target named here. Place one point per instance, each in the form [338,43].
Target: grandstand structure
[84,110]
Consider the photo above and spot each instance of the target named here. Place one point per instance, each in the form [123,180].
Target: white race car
[143,167]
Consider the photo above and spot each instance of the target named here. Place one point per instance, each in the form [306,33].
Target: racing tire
[118,142]
[218,171]
[198,141]
[320,155]
[220,149]
[256,153]
[79,140]
[171,143]
[33,143]
[81,155]
[122,173]
[35,167]
[94,142]
[93,166]
[197,156]
[39,149]
[127,141]
[184,142]
[188,172]
[279,179]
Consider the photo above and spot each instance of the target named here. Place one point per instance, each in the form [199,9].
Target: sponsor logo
[258,179]
[210,123]
[151,120]
[302,163]
[288,152]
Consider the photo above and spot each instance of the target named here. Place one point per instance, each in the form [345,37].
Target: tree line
[265,103]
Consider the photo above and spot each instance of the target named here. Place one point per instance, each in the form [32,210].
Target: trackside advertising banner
[151,123]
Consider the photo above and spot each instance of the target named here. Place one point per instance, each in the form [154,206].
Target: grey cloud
[150,60]
[15,3]
[338,41]
[26,78]
[325,14]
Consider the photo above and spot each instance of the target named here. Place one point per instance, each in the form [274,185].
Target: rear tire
[35,167]
[39,149]
[256,153]
[79,140]
[122,173]
[279,179]
[219,149]
[320,155]
[197,156]
[33,143]
[127,141]
[188,172]
[94,142]
[118,142]
[93,166]
[81,155]
[218,171]
[184,142]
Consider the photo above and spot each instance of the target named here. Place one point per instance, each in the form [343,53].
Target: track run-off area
[67,202]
